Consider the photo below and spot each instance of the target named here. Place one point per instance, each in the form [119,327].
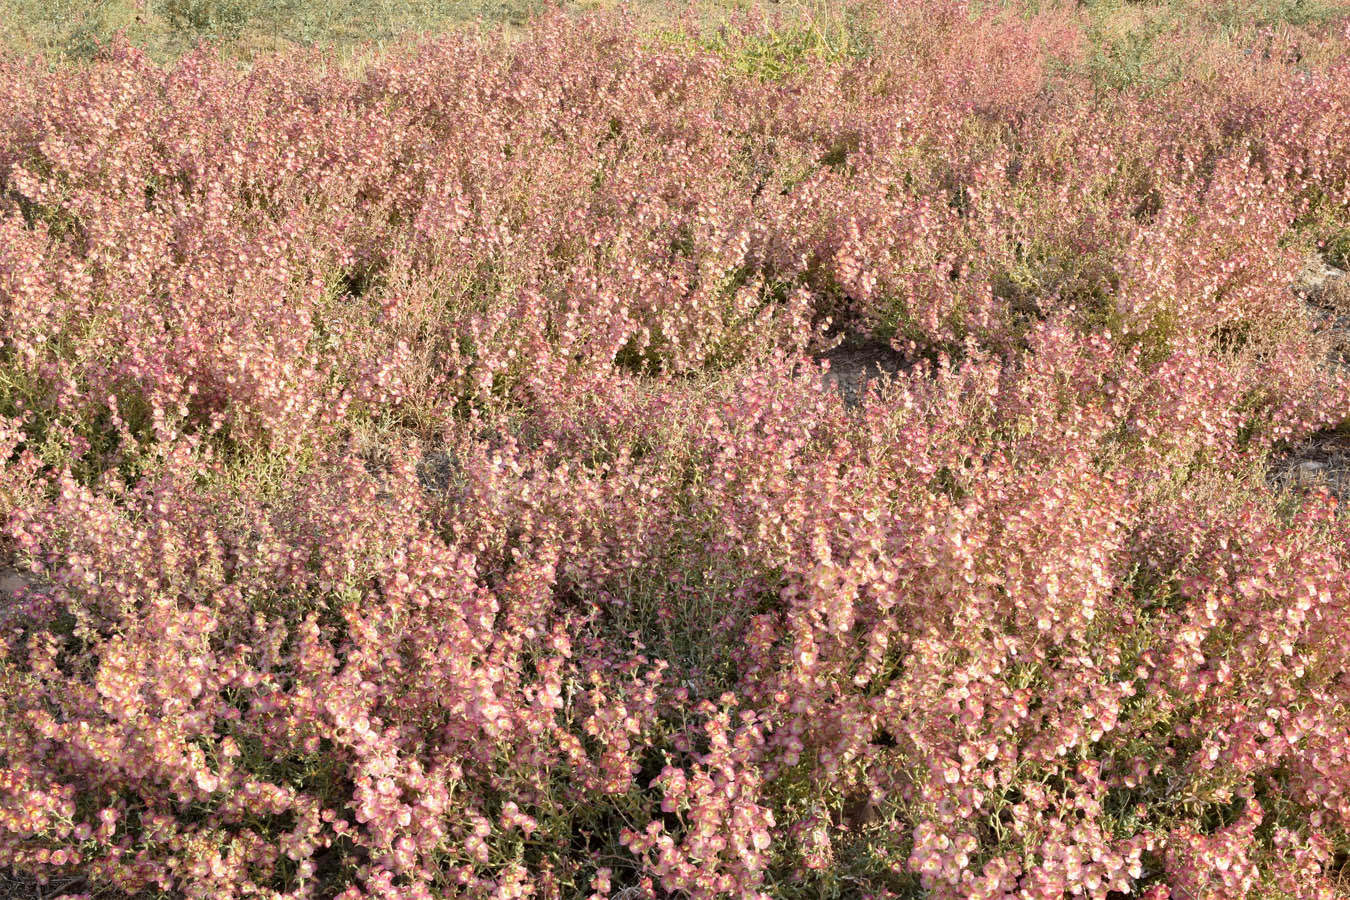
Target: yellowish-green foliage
[1132,42]
[72,30]
[791,39]
[1152,43]
[1149,43]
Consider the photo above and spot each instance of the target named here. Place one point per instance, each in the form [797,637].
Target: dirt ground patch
[1323,461]
[1325,291]
[15,587]
[858,362]
[12,581]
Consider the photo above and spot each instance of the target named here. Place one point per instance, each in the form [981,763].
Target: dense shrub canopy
[425,486]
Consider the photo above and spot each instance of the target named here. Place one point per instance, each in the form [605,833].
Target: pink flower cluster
[429,489]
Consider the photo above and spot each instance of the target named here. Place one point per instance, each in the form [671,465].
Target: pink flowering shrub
[428,489]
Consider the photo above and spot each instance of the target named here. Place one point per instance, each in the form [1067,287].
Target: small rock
[12,581]
[13,584]
[1317,277]
[1320,462]
[1306,473]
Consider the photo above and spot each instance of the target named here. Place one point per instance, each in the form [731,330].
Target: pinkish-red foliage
[430,492]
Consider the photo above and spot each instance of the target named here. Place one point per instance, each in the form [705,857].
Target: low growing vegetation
[420,479]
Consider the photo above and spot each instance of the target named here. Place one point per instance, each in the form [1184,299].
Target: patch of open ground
[1322,461]
[857,363]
